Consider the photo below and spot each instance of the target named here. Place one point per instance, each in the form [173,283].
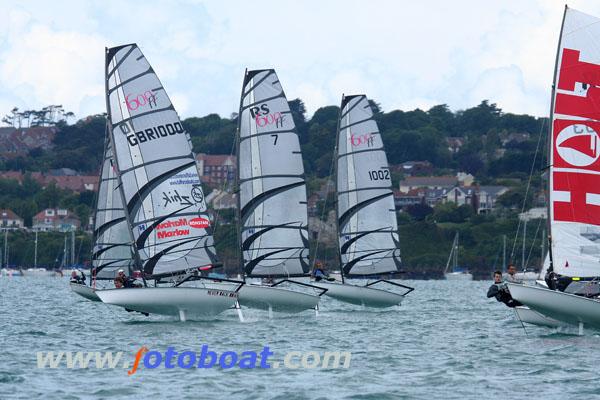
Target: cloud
[401,54]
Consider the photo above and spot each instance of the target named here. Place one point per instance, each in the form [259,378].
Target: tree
[480,119]
[419,211]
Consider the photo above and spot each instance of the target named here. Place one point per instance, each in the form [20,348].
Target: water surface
[446,341]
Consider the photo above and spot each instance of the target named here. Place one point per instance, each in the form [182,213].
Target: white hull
[39,272]
[527,315]
[84,291]
[360,295]
[458,276]
[270,298]
[561,306]
[10,272]
[527,276]
[182,302]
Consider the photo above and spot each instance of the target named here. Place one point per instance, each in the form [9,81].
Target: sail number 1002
[380,175]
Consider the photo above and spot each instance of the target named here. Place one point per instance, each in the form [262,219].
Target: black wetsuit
[78,279]
[501,293]
[129,283]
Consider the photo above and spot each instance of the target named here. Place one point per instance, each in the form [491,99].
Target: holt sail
[112,239]
[163,199]
[272,200]
[367,226]
[575,149]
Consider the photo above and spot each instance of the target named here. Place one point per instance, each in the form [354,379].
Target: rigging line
[333,160]
[533,243]
[537,148]
[223,186]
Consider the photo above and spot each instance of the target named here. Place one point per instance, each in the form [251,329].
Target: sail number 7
[380,175]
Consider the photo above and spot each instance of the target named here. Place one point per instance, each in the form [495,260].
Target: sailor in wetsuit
[128,282]
[500,292]
[76,278]
[320,273]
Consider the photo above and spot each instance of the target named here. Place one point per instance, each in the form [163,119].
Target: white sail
[575,149]
[164,201]
[368,231]
[112,247]
[273,210]
[544,268]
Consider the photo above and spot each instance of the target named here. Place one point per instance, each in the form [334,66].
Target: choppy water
[446,341]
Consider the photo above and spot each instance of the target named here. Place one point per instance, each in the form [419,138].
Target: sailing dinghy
[456,274]
[366,216]
[112,245]
[163,201]
[272,205]
[574,193]
[529,316]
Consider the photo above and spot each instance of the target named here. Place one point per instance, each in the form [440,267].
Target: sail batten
[161,187]
[366,216]
[272,197]
[574,209]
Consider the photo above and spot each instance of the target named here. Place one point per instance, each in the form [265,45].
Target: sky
[402,54]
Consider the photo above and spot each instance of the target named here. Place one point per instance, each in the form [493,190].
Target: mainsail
[164,201]
[575,149]
[367,227]
[273,211]
[112,239]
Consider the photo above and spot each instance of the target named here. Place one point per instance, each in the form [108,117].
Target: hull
[564,307]
[529,316]
[458,276]
[182,302]
[84,291]
[361,295]
[10,272]
[527,276]
[39,272]
[271,298]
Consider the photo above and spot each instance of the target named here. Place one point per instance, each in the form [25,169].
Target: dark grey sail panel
[163,196]
[368,230]
[273,210]
[112,249]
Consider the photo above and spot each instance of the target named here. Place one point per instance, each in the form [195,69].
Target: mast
[64,260]
[6,247]
[523,250]
[456,253]
[73,246]
[35,250]
[551,140]
[335,183]
[503,252]
[238,210]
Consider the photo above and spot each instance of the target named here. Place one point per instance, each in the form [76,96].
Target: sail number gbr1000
[380,175]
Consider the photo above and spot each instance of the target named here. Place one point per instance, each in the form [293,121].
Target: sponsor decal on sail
[174,197]
[153,133]
[162,233]
[577,144]
[358,140]
[263,116]
[576,149]
[135,101]
[199,222]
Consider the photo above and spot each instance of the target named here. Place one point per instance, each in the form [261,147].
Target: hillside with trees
[497,148]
